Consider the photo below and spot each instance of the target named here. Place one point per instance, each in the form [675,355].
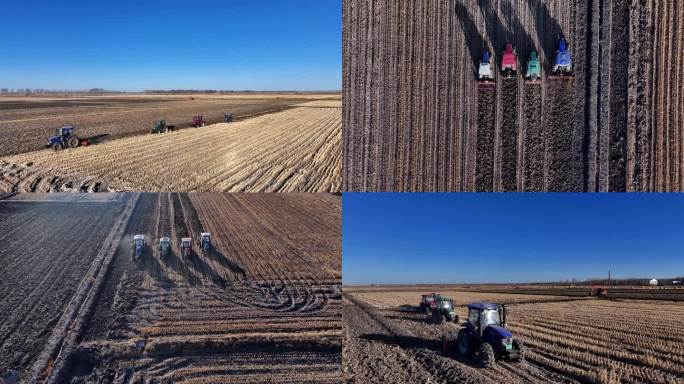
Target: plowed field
[565,340]
[297,150]
[27,122]
[263,305]
[415,118]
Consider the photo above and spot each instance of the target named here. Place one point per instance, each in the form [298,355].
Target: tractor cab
[186,246]
[227,117]
[164,246]
[562,63]
[205,241]
[427,302]
[484,72]
[138,245]
[533,67]
[64,138]
[484,336]
[198,121]
[444,311]
[160,126]
[509,63]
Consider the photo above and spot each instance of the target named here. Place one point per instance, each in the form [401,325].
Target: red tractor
[186,247]
[428,302]
[199,121]
[509,64]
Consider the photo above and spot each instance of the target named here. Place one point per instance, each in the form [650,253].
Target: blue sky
[478,238]
[136,45]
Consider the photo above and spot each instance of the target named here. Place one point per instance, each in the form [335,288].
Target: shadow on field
[174,262]
[153,267]
[516,34]
[411,342]
[196,262]
[220,258]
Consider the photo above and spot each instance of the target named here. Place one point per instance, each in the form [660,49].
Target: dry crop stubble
[567,340]
[413,121]
[263,305]
[297,150]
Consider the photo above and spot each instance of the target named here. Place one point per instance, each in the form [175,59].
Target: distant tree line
[40,91]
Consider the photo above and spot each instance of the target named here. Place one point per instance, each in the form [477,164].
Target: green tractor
[533,67]
[160,126]
[444,311]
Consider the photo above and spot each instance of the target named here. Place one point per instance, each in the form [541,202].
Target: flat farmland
[566,340]
[27,122]
[48,249]
[415,118]
[297,150]
[263,305]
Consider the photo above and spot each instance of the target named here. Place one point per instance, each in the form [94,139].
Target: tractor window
[491,317]
[473,317]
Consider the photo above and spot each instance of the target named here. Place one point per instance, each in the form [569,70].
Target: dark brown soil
[413,113]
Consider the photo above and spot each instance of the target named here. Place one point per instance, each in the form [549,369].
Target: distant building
[653,282]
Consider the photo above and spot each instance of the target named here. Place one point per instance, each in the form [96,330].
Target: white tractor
[485,73]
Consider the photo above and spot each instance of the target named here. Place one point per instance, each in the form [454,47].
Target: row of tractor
[65,136]
[141,246]
[160,125]
[482,337]
[562,63]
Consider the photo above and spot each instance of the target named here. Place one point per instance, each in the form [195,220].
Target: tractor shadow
[197,263]
[495,31]
[215,255]
[151,265]
[174,262]
[412,342]
[408,342]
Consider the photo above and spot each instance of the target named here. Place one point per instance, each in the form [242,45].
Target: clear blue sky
[134,45]
[477,238]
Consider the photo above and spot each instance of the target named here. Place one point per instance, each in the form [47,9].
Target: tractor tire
[73,142]
[57,147]
[437,318]
[485,355]
[463,343]
[518,345]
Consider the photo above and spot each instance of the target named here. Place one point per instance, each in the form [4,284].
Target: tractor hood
[498,331]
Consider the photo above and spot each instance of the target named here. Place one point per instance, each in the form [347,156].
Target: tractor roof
[186,239]
[136,237]
[165,239]
[482,305]
[205,234]
[67,127]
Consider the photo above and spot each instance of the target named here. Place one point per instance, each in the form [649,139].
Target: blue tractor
[65,138]
[139,245]
[484,336]
[204,242]
[562,63]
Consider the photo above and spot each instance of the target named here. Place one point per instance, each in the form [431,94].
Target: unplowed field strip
[263,305]
[293,151]
[415,117]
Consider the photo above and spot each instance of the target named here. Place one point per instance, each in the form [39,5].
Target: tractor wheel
[437,317]
[73,142]
[518,345]
[57,146]
[463,343]
[485,355]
